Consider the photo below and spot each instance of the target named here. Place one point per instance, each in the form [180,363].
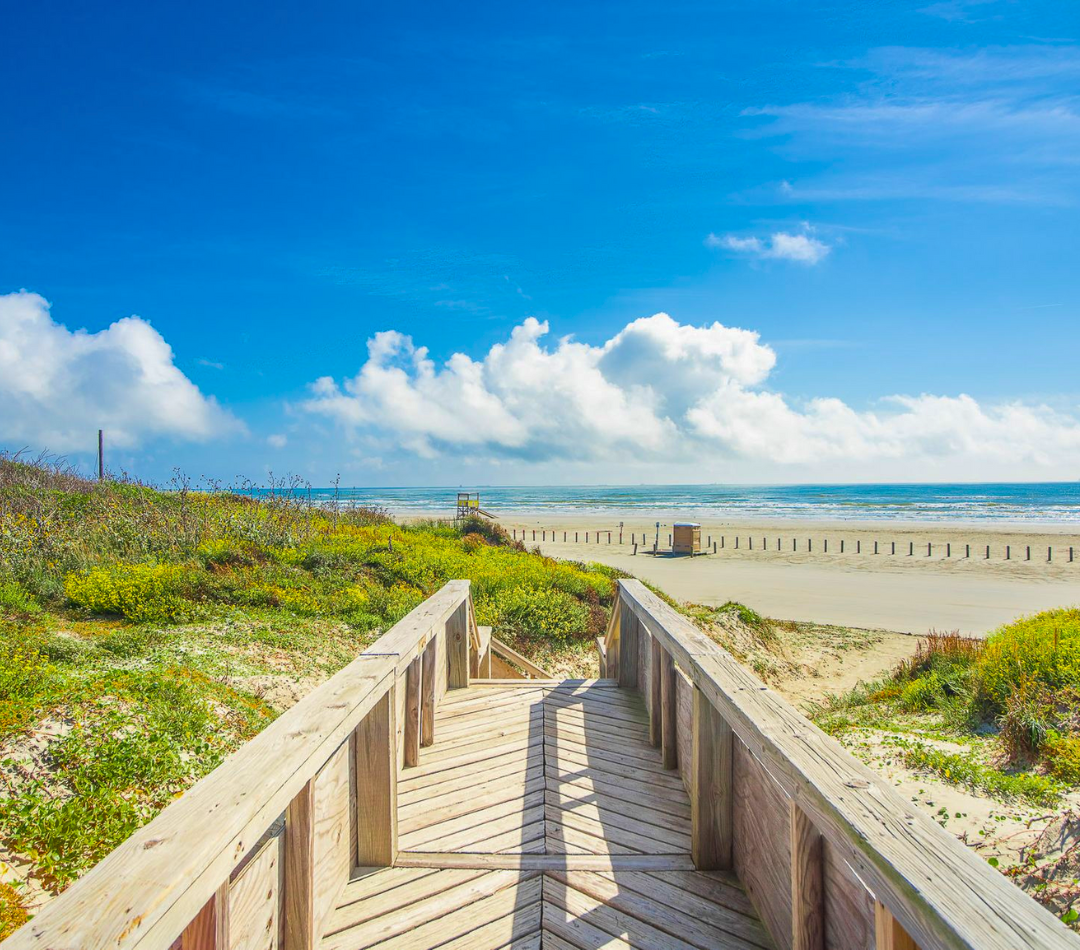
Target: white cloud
[661,391]
[57,387]
[277,440]
[780,246]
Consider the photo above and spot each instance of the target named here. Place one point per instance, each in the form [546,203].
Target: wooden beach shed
[686,538]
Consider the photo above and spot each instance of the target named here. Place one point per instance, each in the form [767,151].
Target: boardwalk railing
[263,845]
[830,854]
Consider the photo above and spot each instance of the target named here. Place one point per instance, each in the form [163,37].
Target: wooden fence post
[669,722]
[412,713]
[807,883]
[656,703]
[427,693]
[711,790]
[457,647]
[376,785]
[298,908]
[888,933]
[209,930]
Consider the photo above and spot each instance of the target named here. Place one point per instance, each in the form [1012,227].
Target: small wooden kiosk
[686,538]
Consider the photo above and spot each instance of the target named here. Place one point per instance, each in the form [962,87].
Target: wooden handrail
[942,894]
[156,883]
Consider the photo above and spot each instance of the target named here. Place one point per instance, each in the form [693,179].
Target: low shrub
[143,593]
[1043,650]
[537,613]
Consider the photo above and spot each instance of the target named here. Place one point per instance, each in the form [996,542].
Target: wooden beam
[427,693]
[601,649]
[411,754]
[656,705]
[711,790]
[669,717]
[629,627]
[457,647]
[807,883]
[888,932]
[507,653]
[210,928]
[299,902]
[376,785]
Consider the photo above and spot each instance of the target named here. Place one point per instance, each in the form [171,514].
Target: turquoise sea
[1036,503]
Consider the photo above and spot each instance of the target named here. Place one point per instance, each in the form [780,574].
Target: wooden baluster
[457,647]
[888,932]
[209,930]
[629,632]
[412,713]
[807,883]
[376,785]
[299,902]
[427,694]
[711,789]
[669,722]
[656,703]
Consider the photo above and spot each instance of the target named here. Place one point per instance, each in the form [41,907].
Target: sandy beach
[954,587]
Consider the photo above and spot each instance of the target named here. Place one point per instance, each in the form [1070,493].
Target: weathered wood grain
[376,785]
[428,667]
[807,883]
[711,793]
[255,900]
[669,744]
[411,755]
[298,907]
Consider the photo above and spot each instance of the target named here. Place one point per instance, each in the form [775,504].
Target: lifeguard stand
[468,504]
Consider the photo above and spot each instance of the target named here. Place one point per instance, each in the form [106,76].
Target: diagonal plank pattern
[542,817]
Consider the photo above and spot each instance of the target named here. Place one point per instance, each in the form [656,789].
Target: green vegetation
[144,635]
[1015,695]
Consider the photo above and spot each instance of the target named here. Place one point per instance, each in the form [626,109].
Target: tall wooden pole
[100,455]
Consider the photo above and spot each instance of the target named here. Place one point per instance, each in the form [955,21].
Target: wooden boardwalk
[542,817]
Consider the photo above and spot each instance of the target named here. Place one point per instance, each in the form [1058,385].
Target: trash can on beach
[686,538]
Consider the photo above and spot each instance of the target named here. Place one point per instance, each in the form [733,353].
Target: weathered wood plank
[210,928]
[668,720]
[544,862]
[457,647]
[376,785]
[427,693]
[807,883]
[299,902]
[889,935]
[656,705]
[255,900]
[711,792]
[412,713]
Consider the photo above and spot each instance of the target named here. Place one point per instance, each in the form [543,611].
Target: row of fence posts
[710,543]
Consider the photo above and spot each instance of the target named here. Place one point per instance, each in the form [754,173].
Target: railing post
[376,784]
[711,788]
[807,883]
[412,712]
[889,935]
[427,693]
[210,928]
[629,632]
[669,735]
[299,902]
[656,703]
[457,647]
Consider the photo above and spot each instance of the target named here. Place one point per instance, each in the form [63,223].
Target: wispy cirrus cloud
[780,245]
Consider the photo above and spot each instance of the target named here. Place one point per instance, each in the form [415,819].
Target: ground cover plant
[145,634]
[998,717]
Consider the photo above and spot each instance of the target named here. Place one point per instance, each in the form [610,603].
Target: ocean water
[1036,503]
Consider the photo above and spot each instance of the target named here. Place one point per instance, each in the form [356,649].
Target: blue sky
[885,193]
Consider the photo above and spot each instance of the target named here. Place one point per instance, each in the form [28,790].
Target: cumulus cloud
[57,386]
[659,390]
[277,440]
[780,246]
